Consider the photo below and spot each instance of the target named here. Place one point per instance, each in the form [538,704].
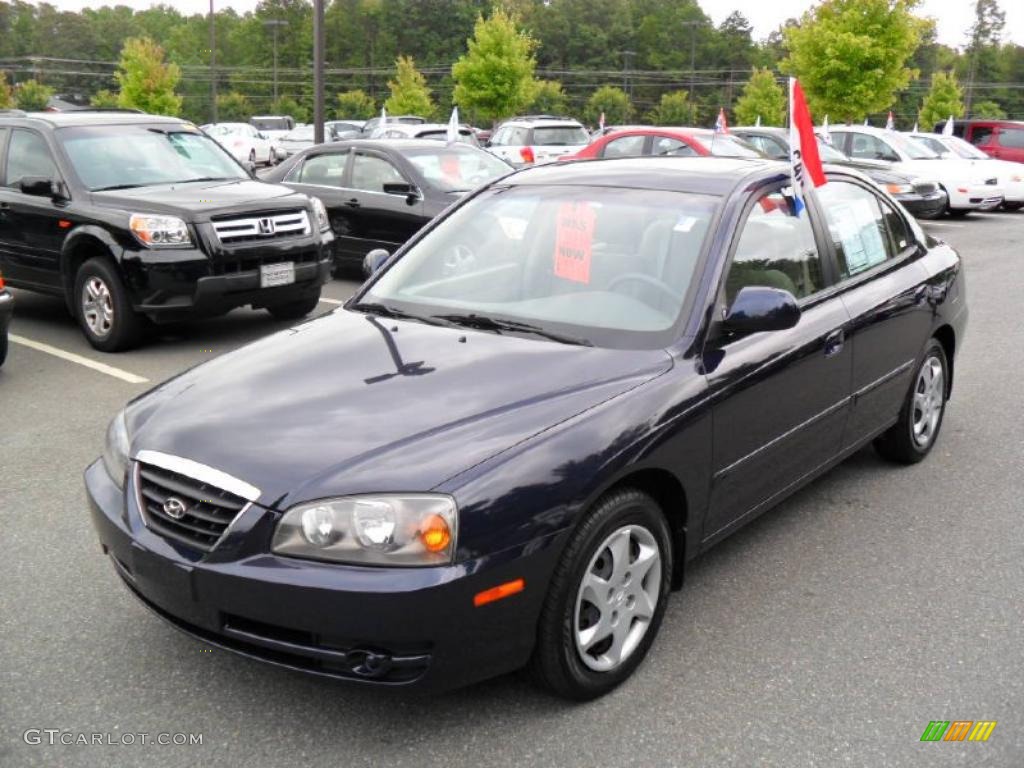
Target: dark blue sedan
[506,448]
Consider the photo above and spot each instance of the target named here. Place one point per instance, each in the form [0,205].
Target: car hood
[352,403]
[200,200]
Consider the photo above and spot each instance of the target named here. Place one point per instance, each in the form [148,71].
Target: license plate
[277,274]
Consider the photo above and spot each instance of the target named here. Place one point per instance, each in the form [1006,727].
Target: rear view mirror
[412,194]
[374,260]
[759,308]
[41,186]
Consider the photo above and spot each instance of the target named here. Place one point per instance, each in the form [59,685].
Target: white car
[1011,175]
[536,139]
[968,186]
[243,141]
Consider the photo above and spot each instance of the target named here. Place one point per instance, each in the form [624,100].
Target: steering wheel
[640,277]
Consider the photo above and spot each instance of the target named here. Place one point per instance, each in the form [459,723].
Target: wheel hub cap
[617,598]
[929,400]
[97,306]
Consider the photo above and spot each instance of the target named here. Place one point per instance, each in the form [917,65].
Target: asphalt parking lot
[829,632]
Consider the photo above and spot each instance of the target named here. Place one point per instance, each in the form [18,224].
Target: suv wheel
[606,598]
[104,311]
[295,310]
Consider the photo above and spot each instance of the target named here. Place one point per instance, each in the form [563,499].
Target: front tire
[606,598]
[913,435]
[1012,206]
[295,310]
[103,308]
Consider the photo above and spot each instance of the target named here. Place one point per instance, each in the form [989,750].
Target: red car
[678,142]
[1003,139]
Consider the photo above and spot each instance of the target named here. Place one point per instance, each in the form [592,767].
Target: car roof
[543,122]
[705,175]
[86,118]
[773,130]
[397,144]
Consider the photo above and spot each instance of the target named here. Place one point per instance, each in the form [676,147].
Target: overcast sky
[954,16]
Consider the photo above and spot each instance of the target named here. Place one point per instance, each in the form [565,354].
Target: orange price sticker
[574,241]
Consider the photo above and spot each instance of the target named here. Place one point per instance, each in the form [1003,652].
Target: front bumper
[924,206]
[980,197]
[393,627]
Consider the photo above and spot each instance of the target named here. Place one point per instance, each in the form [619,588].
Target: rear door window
[980,134]
[27,156]
[326,170]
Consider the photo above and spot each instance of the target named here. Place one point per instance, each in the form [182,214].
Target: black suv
[135,218]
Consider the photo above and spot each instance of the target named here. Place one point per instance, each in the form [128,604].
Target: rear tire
[913,435]
[606,598]
[103,308]
[295,310]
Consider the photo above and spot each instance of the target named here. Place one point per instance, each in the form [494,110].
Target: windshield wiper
[113,187]
[205,178]
[386,310]
[485,323]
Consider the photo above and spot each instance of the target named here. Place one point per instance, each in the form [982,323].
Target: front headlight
[321,214]
[899,189]
[115,451]
[405,529]
[159,231]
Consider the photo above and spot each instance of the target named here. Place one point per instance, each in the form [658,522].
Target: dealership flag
[721,126]
[947,129]
[453,126]
[866,121]
[914,130]
[890,124]
[826,136]
[383,116]
[600,123]
[805,163]
[757,124]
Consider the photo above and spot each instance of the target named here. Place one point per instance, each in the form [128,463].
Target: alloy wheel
[97,306]
[617,598]
[929,400]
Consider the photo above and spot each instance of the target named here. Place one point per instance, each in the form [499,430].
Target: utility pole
[318,71]
[627,67]
[213,65]
[274,24]
[693,68]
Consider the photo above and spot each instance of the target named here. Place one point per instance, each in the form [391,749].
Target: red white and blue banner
[805,162]
[721,125]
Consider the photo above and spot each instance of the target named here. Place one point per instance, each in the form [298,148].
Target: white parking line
[71,357]
[330,301]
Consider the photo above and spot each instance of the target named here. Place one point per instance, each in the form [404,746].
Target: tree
[147,83]
[494,78]
[409,92]
[983,40]
[233,107]
[104,99]
[6,92]
[610,101]
[32,96]
[672,109]
[355,104]
[762,97]
[549,98]
[287,105]
[851,55]
[987,110]
[943,100]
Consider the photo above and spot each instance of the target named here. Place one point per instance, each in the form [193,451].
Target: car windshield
[914,149]
[830,154]
[592,263]
[724,145]
[454,169]
[305,133]
[124,156]
[560,136]
[964,148]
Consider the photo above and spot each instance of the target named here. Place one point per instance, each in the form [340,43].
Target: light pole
[693,67]
[318,71]
[213,64]
[274,24]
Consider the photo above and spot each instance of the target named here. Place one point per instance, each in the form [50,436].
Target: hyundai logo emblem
[266,226]
[175,508]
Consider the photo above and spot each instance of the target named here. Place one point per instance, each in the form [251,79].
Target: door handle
[834,342]
[353,203]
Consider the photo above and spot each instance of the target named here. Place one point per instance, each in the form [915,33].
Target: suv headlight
[159,231]
[115,450]
[321,214]
[407,529]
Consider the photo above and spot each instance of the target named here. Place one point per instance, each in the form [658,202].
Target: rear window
[724,145]
[560,136]
[271,123]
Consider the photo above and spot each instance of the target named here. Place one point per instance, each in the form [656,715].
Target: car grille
[277,225]
[201,515]
[926,188]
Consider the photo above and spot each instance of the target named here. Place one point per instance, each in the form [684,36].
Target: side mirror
[758,308]
[41,186]
[412,194]
[374,260]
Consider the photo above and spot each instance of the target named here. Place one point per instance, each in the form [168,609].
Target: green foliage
[147,83]
[32,96]
[6,92]
[233,107]
[851,55]
[494,78]
[549,99]
[104,99]
[673,109]
[944,99]
[288,105]
[987,110]
[355,104]
[409,92]
[613,102]
[762,97]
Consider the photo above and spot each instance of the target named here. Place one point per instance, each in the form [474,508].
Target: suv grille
[184,509]
[926,187]
[276,225]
